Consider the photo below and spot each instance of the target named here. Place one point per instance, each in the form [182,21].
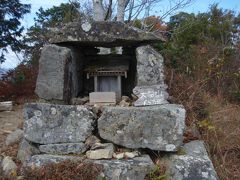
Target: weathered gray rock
[126,99]
[119,155]
[134,169]
[65,148]
[45,159]
[99,154]
[156,127]
[50,124]
[26,150]
[150,89]
[103,146]
[91,140]
[8,165]
[124,103]
[102,34]
[52,73]
[79,101]
[131,154]
[194,165]
[149,67]
[150,95]
[14,137]
[101,151]
[126,155]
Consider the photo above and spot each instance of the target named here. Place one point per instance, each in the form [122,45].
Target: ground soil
[10,121]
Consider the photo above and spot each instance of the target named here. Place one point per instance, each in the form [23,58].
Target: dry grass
[216,118]
[223,140]
[66,170]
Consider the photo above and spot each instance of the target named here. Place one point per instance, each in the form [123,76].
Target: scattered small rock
[134,97]
[102,146]
[100,154]
[131,154]
[97,109]
[124,103]
[126,98]
[79,101]
[126,155]
[14,137]
[118,156]
[91,140]
[26,150]
[9,166]
[101,151]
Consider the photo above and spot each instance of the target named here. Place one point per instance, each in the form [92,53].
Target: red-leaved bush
[18,83]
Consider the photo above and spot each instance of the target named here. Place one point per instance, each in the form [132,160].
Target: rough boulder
[49,123]
[156,127]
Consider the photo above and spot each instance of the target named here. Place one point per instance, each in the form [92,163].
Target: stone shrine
[127,109]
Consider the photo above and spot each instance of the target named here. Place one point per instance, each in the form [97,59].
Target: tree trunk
[109,11]
[98,11]
[120,10]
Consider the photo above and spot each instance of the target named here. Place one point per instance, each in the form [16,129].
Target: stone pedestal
[49,123]
[155,127]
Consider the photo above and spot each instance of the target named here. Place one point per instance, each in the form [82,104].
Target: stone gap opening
[100,69]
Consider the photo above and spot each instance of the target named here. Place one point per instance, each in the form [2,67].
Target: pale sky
[197,6]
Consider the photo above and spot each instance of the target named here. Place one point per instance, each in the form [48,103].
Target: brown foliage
[18,83]
[155,23]
[217,120]
[66,170]
[223,139]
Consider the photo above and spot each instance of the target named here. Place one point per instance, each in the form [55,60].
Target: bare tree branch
[135,9]
[109,10]
[131,5]
[180,4]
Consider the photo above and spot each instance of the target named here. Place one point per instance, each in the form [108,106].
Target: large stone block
[134,169]
[102,33]
[52,75]
[149,67]
[64,148]
[193,165]
[45,159]
[156,127]
[49,124]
